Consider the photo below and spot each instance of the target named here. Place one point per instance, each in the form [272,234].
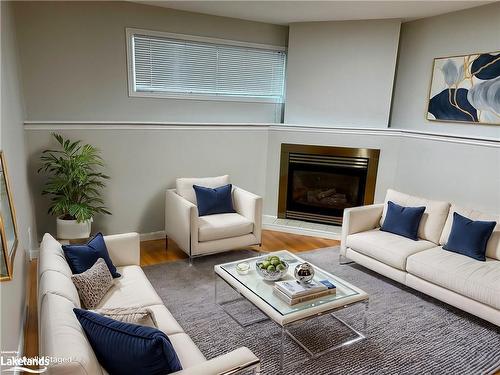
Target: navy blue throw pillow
[81,257]
[214,201]
[125,348]
[469,237]
[402,220]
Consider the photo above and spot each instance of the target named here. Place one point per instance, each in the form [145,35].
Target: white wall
[466,174]
[469,31]
[341,73]
[73,57]
[12,293]
[144,163]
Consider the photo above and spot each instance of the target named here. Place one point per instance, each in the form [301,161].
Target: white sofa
[203,235]
[458,280]
[60,333]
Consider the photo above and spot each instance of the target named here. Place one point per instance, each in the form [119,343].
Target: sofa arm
[180,220]
[241,359]
[124,249]
[360,219]
[249,205]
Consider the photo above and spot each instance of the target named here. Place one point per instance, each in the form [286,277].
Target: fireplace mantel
[318,182]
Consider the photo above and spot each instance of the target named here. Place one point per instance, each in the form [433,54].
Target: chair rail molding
[33,125]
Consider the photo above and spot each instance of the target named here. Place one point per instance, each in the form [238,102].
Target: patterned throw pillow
[136,315]
[93,284]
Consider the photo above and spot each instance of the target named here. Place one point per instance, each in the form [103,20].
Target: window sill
[221,98]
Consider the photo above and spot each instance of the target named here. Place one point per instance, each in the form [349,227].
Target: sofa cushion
[469,237]
[81,257]
[58,283]
[186,350]
[62,336]
[386,247]
[493,246]
[477,280]
[52,257]
[125,348]
[402,220]
[132,289]
[434,216]
[184,186]
[164,320]
[213,201]
[216,227]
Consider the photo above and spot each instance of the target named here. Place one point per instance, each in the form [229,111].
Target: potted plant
[74,184]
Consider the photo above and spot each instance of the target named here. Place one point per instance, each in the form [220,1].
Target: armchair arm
[124,249]
[180,220]
[249,205]
[231,363]
[360,219]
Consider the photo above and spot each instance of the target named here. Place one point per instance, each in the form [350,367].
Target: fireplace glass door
[324,190]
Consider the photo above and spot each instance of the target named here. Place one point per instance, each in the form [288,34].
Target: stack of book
[293,292]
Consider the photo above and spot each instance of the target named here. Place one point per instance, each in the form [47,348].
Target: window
[182,66]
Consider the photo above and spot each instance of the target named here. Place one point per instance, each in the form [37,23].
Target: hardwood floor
[154,252]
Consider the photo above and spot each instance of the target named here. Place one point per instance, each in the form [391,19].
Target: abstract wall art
[466,89]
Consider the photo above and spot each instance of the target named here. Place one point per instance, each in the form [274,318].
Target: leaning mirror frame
[8,255]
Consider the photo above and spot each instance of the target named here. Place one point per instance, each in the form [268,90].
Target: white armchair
[202,235]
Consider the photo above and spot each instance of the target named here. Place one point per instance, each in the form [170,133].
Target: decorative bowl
[271,275]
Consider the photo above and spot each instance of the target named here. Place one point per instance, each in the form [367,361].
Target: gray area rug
[408,332]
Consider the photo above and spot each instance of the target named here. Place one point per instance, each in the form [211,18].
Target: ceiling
[285,12]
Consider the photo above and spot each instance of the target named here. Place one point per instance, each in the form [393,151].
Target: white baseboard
[152,235]
[298,230]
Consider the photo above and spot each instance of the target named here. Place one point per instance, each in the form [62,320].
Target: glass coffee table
[260,293]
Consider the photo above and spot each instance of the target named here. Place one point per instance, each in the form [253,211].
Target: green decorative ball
[271,268]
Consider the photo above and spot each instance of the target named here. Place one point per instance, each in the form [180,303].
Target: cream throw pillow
[93,284]
[136,315]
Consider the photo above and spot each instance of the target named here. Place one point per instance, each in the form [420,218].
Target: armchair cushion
[212,201]
[217,227]
[184,186]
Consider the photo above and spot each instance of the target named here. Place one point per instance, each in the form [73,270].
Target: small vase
[304,273]
[71,229]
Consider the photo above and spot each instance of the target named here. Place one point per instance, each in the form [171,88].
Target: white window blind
[194,68]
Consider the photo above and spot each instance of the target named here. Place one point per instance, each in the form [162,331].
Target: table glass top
[264,289]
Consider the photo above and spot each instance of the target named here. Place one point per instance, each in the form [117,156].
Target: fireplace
[318,182]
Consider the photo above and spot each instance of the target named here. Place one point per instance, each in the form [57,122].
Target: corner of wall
[12,143]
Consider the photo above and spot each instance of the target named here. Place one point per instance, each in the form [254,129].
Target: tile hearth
[302,227]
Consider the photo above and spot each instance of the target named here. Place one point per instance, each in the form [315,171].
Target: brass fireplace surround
[370,155]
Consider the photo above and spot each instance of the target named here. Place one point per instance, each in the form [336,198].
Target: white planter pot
[71,229]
